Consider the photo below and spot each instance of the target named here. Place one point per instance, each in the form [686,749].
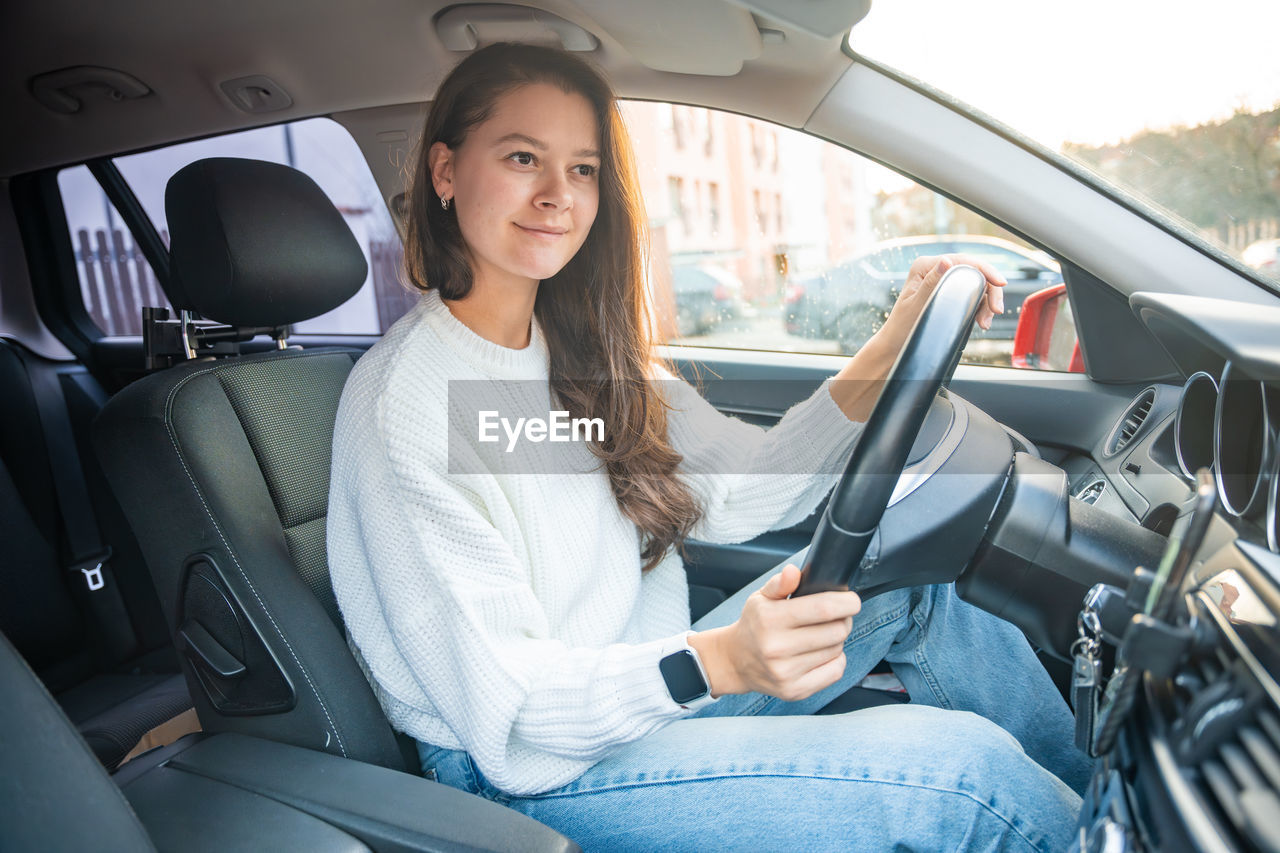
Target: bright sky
[1086,70]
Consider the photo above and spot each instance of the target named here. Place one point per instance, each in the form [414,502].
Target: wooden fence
[116,281]
[1237,235]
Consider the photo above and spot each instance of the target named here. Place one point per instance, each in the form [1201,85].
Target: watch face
[684,681]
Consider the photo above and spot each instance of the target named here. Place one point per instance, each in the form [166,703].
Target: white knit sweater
[505,613]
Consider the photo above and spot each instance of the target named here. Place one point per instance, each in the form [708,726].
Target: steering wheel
[927,360]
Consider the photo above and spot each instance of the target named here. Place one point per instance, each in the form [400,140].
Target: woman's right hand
[785,647]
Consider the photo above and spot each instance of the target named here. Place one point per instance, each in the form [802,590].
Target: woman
[524,615]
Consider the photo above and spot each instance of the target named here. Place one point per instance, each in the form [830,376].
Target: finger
[782,674]
[990,273]
[782,584]
[808,639]
[984,316]
[822,607]
[935,274]
[995,298]
[921,266]
[821,676]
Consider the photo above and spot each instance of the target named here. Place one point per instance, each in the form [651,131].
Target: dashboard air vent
[1224,728]
[1240,773]
[1131,422]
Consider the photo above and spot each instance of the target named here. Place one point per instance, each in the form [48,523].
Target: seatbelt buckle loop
[91,570]
[93,577]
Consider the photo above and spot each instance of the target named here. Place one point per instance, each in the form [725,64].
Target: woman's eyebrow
[542,146]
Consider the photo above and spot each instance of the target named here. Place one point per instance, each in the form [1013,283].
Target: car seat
[222,466]
[96,638]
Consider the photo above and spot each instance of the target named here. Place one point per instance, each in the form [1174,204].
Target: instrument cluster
[1231,425]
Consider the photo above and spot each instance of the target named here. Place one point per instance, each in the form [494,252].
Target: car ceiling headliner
[335,55]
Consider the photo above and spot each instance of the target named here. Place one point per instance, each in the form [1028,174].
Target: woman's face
[525,184]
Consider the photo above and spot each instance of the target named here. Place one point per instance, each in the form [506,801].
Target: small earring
[444,204]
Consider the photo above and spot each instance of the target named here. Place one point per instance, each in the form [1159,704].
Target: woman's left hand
[922,279]
[858,383]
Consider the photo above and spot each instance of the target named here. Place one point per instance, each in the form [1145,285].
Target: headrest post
[184,321]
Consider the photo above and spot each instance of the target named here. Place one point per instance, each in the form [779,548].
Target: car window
[1009,262]
[320,147]
[116,281]
[765,238]
[1194,140]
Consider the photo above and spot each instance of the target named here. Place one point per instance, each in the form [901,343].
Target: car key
[1086,682]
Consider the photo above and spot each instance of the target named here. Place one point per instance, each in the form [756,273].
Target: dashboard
[1197,766]
[1224,417]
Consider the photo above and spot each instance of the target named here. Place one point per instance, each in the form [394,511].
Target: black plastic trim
[135,218]
[46,242]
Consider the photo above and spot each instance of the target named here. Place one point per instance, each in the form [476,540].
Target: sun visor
[661,38]
[823,18]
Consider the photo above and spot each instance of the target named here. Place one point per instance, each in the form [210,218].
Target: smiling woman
[533,633]
[528,196]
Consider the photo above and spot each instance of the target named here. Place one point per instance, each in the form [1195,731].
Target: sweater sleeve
[459,618]
[748,479]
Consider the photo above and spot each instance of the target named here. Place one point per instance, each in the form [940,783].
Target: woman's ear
[440,162]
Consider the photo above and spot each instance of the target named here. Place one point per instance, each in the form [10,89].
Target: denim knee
[905,777]
[973,757]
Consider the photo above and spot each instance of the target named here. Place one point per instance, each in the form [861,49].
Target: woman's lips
[546,233]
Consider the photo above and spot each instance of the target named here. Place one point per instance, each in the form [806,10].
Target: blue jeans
[981,760]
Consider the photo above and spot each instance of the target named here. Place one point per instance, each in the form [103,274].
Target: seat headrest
[257,244]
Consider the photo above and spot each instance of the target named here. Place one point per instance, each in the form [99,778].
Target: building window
[713,202]
[675,193]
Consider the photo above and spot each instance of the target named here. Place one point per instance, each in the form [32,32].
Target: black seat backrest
[102,649]
[223,466]
[36,609]
[54,795]
[44,607]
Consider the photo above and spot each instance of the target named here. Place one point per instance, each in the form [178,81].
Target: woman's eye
[522,158]
[586,170]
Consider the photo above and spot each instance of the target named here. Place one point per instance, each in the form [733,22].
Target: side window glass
[765,238]
[320,147]
[1013,262]
[116,281]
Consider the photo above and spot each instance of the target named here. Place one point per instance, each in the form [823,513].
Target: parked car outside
[706,296]
[1263,255]
[850,301]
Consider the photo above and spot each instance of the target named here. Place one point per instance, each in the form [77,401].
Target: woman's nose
[553,193]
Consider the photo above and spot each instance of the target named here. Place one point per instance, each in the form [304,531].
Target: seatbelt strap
[89,566]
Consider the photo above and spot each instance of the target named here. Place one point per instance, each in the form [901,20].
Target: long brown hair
[594,312]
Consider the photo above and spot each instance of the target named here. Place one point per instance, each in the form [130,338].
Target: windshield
[1176,103]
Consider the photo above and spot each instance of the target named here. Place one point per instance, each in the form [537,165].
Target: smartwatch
[685,676]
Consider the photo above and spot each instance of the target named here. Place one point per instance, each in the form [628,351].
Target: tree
[1213,175]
